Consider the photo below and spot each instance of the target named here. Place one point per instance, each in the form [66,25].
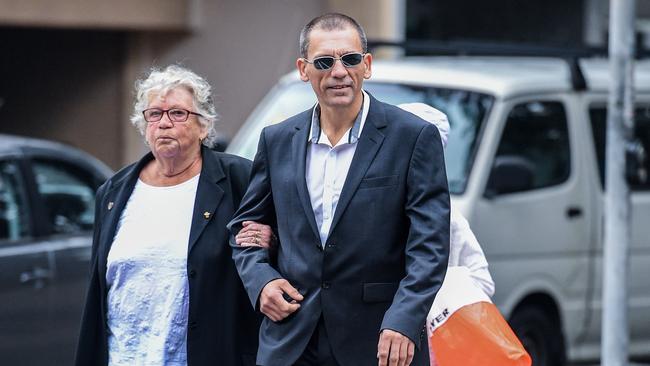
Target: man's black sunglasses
[327,62]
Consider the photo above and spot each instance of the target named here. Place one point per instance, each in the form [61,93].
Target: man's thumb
[291,291]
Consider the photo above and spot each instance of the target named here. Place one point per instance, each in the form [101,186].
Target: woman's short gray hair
[175,76]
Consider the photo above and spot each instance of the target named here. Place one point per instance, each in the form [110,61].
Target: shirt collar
[351,136]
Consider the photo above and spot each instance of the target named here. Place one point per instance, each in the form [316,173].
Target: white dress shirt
[327,166]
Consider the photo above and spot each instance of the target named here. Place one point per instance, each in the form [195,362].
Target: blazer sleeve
[253,263]
[427,246]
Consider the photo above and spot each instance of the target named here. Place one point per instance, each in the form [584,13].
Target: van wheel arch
[536,321]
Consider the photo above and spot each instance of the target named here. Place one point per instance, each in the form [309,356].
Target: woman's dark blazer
[222,325]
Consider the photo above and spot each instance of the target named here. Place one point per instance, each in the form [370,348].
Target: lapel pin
[110,205]
[206,214]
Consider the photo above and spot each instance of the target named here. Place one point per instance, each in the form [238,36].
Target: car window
[466,111]
[598,115]
[537,132]
[14,213]
[67,194]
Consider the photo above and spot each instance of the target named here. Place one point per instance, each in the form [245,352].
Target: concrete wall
[97,14]
[63,85]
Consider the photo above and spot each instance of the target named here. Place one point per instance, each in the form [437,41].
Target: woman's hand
[254,234]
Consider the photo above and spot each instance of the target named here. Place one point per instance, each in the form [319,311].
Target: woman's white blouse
[148,292]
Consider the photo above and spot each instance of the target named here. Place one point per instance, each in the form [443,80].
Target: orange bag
[465,328]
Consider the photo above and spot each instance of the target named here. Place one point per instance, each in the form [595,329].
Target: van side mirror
[510,174]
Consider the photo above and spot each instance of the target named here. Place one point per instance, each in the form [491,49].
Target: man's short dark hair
[328,22]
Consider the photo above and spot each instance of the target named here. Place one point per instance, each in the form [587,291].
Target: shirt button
[326,285]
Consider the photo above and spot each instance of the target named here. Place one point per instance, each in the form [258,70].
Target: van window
[537,132]
[598,115]
[14,213]
[68,196]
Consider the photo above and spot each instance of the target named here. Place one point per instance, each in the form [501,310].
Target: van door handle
[573,212]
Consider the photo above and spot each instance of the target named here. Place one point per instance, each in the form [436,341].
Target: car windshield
[466,111]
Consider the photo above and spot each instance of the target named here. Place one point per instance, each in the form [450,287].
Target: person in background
[464,249]
[163,287]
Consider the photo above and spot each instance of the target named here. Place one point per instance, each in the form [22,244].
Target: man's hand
[253,234]
[273,304]
[394,349]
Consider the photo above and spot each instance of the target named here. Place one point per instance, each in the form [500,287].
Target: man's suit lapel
[299,153]
[208,196]
[369,143]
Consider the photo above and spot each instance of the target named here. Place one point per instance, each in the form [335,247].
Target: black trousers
[319,350]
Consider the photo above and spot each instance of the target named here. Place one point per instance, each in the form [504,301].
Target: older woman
[164,289]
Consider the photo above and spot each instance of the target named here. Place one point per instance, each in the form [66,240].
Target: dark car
[47,203]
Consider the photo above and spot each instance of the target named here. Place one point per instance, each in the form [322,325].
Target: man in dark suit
[358,193]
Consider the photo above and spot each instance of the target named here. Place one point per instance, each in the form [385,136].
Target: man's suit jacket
[387,251]
[222,327]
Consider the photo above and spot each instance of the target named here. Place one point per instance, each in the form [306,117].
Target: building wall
[63,85]
[97,14]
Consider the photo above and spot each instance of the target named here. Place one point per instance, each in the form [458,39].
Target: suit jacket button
[319,246]
[326,285]
[193,325]
[192,273]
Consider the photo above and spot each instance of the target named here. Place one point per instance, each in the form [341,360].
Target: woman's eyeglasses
[327,62]
[174,114]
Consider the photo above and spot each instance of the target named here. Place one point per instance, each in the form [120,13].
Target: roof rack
[468,48]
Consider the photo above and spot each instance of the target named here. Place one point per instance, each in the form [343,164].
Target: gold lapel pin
[206,214]
[110,205]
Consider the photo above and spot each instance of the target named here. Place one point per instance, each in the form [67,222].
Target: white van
[525,164]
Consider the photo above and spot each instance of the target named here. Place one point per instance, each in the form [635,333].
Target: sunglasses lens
[351,59]
[323,63]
